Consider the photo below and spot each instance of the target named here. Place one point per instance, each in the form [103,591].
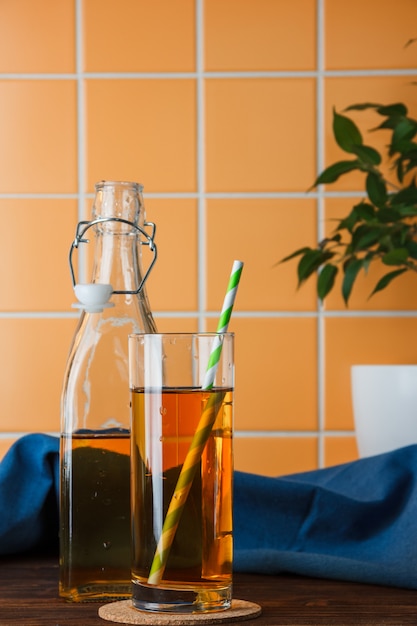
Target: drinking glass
[182,470]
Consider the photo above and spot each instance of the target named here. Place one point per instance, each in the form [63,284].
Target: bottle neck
[117,259]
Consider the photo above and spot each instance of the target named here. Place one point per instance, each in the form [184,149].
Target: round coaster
[123,612]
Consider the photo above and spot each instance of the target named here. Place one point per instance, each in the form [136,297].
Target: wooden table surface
[28,596]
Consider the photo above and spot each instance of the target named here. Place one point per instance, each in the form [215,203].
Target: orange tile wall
[222,109]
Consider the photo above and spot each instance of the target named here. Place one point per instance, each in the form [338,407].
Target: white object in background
[384,406]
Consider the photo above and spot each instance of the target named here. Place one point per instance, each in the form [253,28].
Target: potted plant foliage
[380,228]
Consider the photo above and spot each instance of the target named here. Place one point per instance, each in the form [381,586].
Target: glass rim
[122,183]
[182,334]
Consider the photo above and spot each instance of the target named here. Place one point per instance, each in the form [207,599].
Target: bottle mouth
[119,183]
[119,199]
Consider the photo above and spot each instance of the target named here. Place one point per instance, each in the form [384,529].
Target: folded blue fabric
[356,521]
[29,478]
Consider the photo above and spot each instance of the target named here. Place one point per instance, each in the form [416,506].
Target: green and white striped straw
[201,435]
[223,324]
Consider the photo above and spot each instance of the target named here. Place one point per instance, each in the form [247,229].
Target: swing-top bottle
[95,433]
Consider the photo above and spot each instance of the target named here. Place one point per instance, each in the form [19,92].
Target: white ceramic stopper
[93,297]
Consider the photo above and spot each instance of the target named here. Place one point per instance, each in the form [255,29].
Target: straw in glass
[201,435]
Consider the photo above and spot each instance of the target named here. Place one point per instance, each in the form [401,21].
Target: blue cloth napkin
[29,484]
[356,521]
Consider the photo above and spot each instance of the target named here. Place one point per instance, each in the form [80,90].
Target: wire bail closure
[93,297]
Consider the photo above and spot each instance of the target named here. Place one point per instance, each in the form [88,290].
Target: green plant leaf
[350,221]
[412,248]
[376,189]
[390,123]
[367,259]
[368,155]
[388,215]
[325,280]
[294,254]
[390,111]
[362,106]
[395,257]
[365,211]
[405,129]
[411,157]
[399,170]
[310,262]
[365,236]
[407,195]
[385,280]
[407,211]
[337,237]
[351,272]
[333,172]
[405,148]
[393,110]
[346,133]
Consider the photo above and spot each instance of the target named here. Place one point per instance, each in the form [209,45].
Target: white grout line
[236,314]
[321,371]
[46,196]
[238,434]
[215,195]
[81,131]
[313,74]
[39,314]
[17,435]
[201,165]
[270,434]
[208,75]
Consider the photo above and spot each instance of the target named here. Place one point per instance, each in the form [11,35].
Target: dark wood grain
[28,596]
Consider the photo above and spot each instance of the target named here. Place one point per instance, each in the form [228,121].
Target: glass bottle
[95,433]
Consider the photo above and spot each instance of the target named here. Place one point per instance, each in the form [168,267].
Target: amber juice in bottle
[200,559]
[95,505]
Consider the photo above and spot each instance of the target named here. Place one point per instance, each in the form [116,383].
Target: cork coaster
[123,612]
